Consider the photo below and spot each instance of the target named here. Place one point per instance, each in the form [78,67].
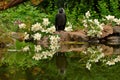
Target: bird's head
[61,10]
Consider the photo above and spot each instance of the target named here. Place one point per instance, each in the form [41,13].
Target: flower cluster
[95,55]
[36,27]
[54,46]
[37,36]
[22,26]
[54,42]
[69,27]
[26,48]
[113,61]
[45,22]
[38,48]
[111,19]
[37,30]
[93,26]
[43,55]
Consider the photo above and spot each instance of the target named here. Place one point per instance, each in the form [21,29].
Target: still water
[70,62]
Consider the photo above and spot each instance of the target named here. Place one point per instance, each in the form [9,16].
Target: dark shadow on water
[61,62]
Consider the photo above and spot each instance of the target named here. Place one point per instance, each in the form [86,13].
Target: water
[71,62]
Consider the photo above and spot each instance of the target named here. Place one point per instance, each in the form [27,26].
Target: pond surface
[70,62]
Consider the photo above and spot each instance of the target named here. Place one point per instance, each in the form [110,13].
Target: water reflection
[61,62]
[71,61]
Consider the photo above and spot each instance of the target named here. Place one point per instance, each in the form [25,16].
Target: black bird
[60,20]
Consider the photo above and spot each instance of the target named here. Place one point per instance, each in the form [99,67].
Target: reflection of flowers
[54,45]
[95,55]
[88,65]
[43,55]
[37,56]
[26,36]
[113,61]
[26,48]
[37,36]
[54,42]
[38,48]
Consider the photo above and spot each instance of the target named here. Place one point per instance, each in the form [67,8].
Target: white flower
[51,29]
[54,47]
[117,21]
[26,48]
[54,39]
[88,65]
[84,21]
[37,36]
[54,42]
[45,22]
[101,26]
[87,14]
[96,21]
[90,20]
[112,62]
[38,48]
[68,29]
[85,25]
[36,27]
[22,26]
[117,59]
[26,37]
[37,56]
[109,17]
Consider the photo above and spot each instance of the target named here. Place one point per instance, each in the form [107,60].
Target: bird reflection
[61,62]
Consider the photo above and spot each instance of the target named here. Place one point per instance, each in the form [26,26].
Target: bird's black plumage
[60,20]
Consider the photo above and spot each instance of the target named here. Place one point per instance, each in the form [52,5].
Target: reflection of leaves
[36,2]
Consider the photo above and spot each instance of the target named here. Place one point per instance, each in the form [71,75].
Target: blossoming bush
[93,26]
[36,32]
[109,19]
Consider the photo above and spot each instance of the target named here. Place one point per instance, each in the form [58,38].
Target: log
[5,5]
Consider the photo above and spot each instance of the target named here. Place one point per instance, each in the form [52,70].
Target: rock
[9,3]
[79,36]
[116,50]
[116,29]
[2,45]
[43,42]
[113,40]
[17,35]
[107,50]
[64,36]
[73,47]
[107,30]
